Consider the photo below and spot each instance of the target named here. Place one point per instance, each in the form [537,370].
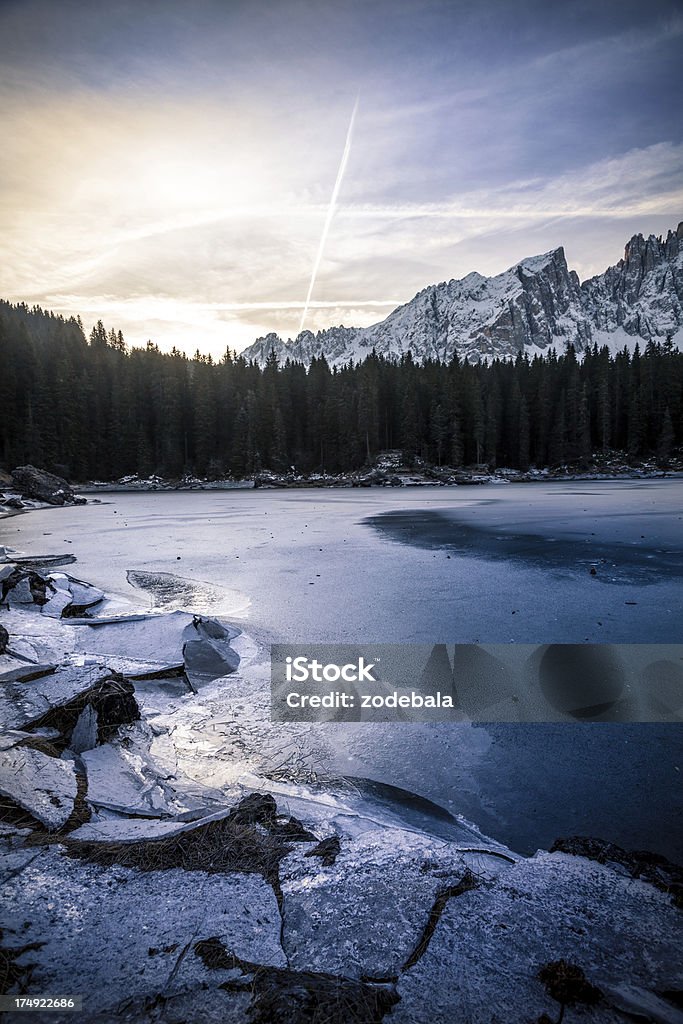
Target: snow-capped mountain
[537,304]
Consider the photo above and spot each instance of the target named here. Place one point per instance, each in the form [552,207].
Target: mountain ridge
[535,305]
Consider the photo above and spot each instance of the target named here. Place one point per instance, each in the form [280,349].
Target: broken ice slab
[6,571]
[12,670]
[132,830]
[44,786]
[127,783]
[382,882]
[119,934]
[85,732]
[20,595]
[26,699]
[44,561]
[207,651]
[56,605]
[64,591]
[549,907]
[54,593]
[83,594]
[163,643]
[109,620]
[155,640]
[204,662]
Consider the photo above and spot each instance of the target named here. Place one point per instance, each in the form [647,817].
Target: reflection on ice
[169,592]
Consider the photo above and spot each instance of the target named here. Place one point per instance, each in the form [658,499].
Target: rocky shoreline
[159,863]
[27,487]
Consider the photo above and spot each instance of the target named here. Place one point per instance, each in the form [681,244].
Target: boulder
[42,486]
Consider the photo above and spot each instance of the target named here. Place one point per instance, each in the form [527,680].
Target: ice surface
[482,961]
[114,934]
[363,914]
[315,570]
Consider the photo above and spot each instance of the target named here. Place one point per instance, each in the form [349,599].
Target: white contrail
[330,212]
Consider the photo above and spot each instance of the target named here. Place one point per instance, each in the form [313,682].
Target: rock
[42,486]
[85,731]
[44,786]
[4,639]
[15,503]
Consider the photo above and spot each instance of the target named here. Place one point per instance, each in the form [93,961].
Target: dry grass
[215,847]
[14,976]
[299,997]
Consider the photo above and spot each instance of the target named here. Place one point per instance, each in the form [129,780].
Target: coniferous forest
[91,408]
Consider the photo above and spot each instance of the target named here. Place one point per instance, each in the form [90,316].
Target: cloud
[171,171]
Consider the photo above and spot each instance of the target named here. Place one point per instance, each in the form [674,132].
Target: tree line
[93,408]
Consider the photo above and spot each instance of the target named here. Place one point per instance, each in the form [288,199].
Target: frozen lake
[491,564]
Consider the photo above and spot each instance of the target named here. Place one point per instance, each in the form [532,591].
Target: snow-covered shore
[169,852]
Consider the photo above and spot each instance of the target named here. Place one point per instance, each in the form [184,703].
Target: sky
[168,167]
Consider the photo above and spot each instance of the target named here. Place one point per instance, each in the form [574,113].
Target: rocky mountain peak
[537,304]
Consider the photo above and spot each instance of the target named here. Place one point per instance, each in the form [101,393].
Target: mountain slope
[534,305]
